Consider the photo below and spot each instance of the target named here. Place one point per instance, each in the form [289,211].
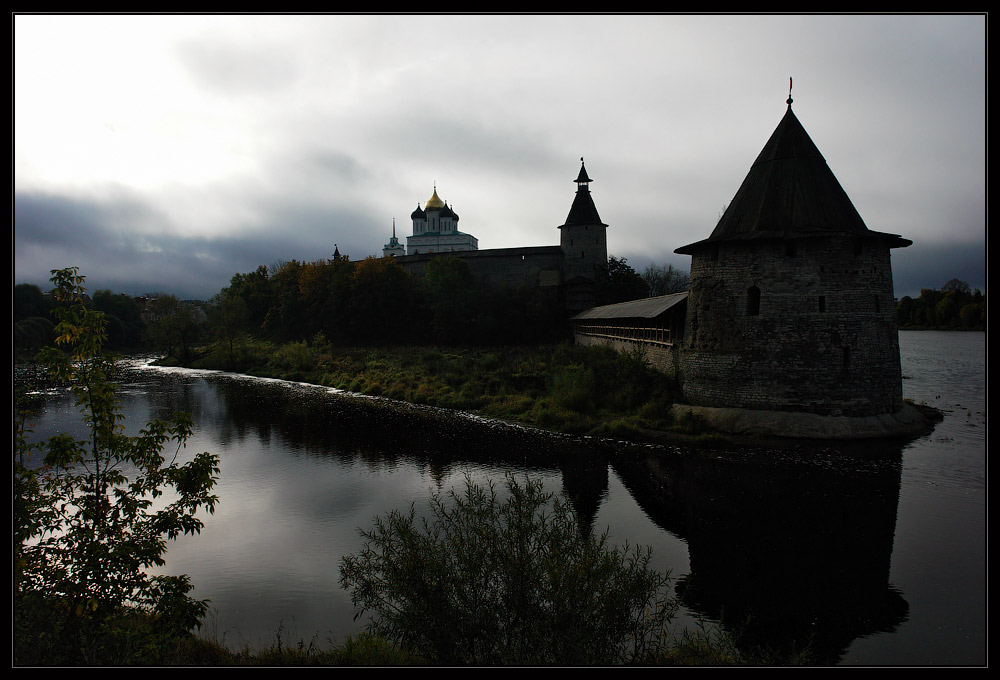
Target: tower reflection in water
[787,548]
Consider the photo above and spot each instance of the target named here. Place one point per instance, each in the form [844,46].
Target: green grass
[579,390]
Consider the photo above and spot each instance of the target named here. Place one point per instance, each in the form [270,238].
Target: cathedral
[435,230]
[571,268]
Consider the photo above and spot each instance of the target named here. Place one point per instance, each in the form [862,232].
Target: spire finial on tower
[789,100]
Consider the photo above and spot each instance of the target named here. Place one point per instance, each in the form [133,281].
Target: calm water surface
[876,554]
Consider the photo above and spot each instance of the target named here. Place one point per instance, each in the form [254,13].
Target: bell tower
[583,238]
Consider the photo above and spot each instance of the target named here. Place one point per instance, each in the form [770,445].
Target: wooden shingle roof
[583,210]
[790,192]
[645,308]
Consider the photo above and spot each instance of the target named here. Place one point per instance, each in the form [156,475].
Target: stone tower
[791,305]
[583,238]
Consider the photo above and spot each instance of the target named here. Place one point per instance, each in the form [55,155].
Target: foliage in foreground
[510,582]
[92,516]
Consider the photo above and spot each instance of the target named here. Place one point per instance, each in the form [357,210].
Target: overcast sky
[166,153]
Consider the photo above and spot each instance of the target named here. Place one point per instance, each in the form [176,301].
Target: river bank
[562,388]
[789,532]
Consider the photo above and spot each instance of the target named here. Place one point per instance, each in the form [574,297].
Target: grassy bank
[576,390]
[701,647]
[698,648]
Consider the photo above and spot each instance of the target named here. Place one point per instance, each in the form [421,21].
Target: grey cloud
[52,232]
[229,68]
[333,166]
[450,140]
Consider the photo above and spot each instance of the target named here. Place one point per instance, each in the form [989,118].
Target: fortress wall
[823,338]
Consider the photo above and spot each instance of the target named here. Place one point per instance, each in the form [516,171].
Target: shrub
[85,532]
[485,581]
[297,356]
[574,387]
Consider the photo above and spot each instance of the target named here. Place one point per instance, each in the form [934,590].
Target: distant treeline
[954,307]
[369,302]
[376,302]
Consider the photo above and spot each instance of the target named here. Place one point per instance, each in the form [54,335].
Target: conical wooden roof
[790,192]
[583,210]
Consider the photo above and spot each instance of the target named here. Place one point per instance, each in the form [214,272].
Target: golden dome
[434,203]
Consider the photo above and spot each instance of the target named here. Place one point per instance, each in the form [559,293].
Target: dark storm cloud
[302,132]
[931,265]
[52,232]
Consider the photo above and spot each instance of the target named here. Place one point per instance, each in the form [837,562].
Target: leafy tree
[619,282]
[228,318]
[485,581]
[175,327]
[904,311]
[124,317]
[957,286]
[33,333]
[452,298]
[29,301]
[325,288]
[954,306]
[973,315]
[947,309]
[95,515]
[664,279]
[255,289]
[379,309]
[285,319]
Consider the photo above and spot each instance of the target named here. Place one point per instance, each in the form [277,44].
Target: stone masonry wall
[663,358]
[822,338]
[539,267]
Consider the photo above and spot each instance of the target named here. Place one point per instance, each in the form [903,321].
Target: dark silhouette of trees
[619,282]
[175,326]
[123,314]
[954,307]
[376,302]
[664,279]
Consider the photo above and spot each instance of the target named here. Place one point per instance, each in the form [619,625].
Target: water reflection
[786,549]
[383,433]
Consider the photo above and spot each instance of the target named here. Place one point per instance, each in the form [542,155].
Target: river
[874,554]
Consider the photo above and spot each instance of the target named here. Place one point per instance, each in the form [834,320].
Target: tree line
[86,533]
[376,302]
[953,307]
[368,302]
[151,322]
